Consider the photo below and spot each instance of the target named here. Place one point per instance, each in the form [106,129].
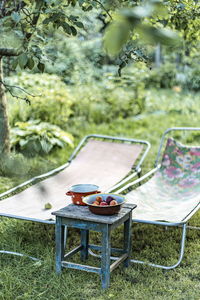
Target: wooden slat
[118,261]
[74,251]
[80,267]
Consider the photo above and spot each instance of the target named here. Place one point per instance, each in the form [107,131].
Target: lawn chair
[101,160]
[172,196]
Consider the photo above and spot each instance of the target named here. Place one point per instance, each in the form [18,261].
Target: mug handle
[69,193]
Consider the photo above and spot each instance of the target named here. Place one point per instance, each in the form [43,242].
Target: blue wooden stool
[80,217]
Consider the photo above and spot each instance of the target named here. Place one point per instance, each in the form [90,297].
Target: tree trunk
[4,125]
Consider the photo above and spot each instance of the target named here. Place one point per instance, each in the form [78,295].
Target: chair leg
[182,248]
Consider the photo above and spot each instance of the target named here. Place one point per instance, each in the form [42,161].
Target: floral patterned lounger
[174,191]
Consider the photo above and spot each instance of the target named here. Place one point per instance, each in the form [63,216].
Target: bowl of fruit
[104,204]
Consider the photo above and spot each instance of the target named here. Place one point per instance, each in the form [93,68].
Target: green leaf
[30,63]
[23,143]
[46,21]
[79,24]
[41,66]
[67,28]
[116,36]
[23,58]
[46,147]
[57,142]
[15,17]
[74,31]
[14,63]
[141,11]
[159,35]
[73,18]
[87,8]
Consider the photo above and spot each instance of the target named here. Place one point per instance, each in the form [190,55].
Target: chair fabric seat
[158,200]
[101,163]
[174,191]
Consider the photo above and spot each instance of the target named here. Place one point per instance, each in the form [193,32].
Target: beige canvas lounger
[100,160]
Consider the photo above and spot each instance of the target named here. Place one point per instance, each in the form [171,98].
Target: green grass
[23,279]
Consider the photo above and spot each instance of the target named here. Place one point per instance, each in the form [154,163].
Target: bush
[13,165]
[96,105]
[113,97]
[52,102]
[193,79]
[162,77]
[33,138]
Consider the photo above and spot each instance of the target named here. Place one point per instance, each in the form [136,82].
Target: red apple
[99,199]
[95,203]
[103,203]
[113,202]
[109,199]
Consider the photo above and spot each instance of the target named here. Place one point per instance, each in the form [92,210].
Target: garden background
[67,85]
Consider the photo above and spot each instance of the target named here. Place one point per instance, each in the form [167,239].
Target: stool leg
[65,236]
[84,243]
[105,257]
[127,239]
[59,231]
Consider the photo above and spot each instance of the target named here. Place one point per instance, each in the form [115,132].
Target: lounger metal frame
[137,172]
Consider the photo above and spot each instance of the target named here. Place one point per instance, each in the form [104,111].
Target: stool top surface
[82,213]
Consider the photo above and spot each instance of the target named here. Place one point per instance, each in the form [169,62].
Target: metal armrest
[145,176]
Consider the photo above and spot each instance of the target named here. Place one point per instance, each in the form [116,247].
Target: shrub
[193,79]
[52,102]
[95,104]
[113,97]
[33,137]
[162,77]
[13,165]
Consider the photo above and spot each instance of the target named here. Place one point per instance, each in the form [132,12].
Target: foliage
[193,79]
[162,77]
[185,16]
[96,102]
[51,102]
[113,98]
[26,23]
[76,61]
[34,138]
[13,165]
[168,76]
[140,20]
[149,243]
[33,23]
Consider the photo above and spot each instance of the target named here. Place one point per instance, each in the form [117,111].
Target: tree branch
[18,87]
[10,52]
[35,19]
[18,97]
[97,1]
[9,88]
[2,6]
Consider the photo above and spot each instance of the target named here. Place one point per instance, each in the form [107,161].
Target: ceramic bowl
[104,210]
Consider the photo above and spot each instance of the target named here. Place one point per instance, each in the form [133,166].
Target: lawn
[21,278]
